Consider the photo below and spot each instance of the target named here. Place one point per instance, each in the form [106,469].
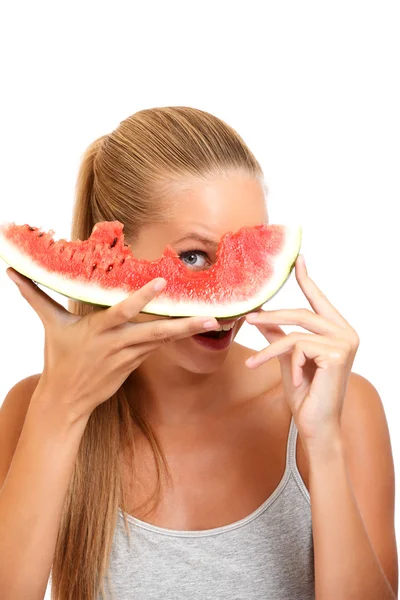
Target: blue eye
[191,255]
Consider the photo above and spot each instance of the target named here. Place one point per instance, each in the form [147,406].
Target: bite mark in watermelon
[251,265]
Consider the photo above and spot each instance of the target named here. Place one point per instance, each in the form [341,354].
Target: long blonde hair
[125,176]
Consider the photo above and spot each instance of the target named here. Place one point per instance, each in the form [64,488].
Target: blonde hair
[126,176]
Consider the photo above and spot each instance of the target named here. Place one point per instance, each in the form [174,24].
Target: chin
[192,357]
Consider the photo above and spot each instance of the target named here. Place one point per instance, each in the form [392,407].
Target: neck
[169,394]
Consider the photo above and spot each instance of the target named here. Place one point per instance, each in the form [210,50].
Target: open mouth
[216,340]
[226,328]
[216,335]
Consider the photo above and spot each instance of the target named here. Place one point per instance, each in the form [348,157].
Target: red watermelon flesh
[251,265]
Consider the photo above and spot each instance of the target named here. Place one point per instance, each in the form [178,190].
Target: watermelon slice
[251,266]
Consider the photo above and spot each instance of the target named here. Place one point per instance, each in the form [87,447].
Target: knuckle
[347,346]
[123,312]
[338,356]
[293,335]
[304,313]
[304,317]
[354,339]
[160,334]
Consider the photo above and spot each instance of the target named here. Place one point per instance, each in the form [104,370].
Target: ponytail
[125,177]
[83,219]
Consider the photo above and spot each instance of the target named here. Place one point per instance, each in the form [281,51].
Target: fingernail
[13,277]
[252,315]
[210,324]
[250,361]
[159,285]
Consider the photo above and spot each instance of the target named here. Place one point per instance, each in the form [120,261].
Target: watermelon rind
[282,265]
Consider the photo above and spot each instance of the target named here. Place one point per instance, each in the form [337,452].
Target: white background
[313,87]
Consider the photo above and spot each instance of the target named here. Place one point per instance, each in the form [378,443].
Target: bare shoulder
[18,398]
[12,416]
[364,425]
[370,464]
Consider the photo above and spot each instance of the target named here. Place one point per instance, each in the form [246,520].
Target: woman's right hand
[86,359]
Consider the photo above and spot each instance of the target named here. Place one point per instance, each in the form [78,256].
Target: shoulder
[364,422]
[12,417]
[366,438]
[22,388]
[367,446]
[16,402]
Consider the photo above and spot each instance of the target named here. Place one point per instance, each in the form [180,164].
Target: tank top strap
[291,446]
[291,459]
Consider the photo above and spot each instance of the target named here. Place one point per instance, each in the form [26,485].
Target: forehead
[219,205]
[203,210]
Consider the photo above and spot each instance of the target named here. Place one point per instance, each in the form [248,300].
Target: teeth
[226,327]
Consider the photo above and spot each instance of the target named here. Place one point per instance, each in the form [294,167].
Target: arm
[352,503]
[33,494]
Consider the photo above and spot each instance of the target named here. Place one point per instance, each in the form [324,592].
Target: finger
[287,343]
[163,331]
[132,356]
[301,317]
[332,357]
[271,332]
[131,306]
[46,308]
[318,301]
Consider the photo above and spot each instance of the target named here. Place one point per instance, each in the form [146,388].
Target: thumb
[46,308]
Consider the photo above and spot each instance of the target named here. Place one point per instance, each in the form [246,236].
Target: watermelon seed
[40,234]
[93,267]
[32,228]
[109,267]
[115,240]
[122,261]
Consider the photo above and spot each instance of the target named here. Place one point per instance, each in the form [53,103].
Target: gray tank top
[267,555]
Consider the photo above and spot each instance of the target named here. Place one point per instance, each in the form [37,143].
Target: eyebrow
[200,238]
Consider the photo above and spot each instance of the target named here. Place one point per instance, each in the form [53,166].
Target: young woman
[144,463]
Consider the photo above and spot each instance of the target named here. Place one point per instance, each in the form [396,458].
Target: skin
[183,367]
[220,416]
[201,402]
[222,420]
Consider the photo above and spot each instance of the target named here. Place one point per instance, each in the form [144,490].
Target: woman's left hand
[315,366]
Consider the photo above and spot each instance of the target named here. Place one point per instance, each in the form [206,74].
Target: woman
[178,470]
